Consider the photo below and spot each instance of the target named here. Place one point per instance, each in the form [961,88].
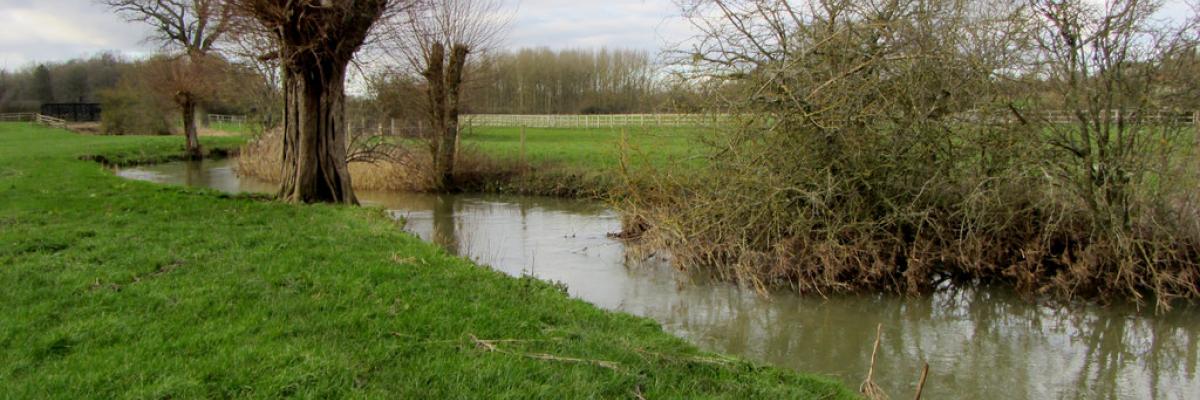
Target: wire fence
[1153,117]
[589,121]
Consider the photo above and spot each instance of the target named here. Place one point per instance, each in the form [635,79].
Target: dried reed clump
[395,167]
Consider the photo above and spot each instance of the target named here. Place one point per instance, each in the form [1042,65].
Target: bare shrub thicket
[900,144]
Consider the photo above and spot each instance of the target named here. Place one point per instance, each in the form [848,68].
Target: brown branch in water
[921,384]
[869,389]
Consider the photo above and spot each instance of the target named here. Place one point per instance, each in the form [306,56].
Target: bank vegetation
[906,145]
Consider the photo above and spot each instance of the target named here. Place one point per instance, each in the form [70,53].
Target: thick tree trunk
[314,136]
[454,77]
[435,77]
[445,83]
[187,106]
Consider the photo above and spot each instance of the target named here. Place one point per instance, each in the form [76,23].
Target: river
[980,343]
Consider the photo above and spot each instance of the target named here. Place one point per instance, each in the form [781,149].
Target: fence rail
[1163,117]
[18,117]
[226,119]
[391,127]
[35,118]
[51,121]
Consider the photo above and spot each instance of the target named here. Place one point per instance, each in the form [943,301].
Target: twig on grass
[490,346]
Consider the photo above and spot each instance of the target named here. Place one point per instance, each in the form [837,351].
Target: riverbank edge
[594,352]
[548,181]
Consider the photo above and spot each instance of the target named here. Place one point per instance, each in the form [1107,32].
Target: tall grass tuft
[394,167]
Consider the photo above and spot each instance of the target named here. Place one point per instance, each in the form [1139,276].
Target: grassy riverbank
[579,162]
[118,288]
[597,149]
[557,162]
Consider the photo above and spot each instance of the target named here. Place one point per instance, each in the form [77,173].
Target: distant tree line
[546,81]
[524,81]
[136,95]
[573,81]
[78,80]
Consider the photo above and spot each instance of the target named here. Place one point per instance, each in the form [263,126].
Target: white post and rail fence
[392,127]
[36,118]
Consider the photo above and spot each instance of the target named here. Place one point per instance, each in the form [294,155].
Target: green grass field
[126,289]
[594,149]
[572,147]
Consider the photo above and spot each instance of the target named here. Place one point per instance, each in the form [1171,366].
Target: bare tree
[317,40]
[251,45]
[434,39]
[1110,65]
[181,80]
[192,27]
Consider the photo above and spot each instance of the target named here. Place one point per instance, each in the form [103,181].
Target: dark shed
[74,112]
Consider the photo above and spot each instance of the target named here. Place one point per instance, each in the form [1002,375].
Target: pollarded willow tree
[191,27]
[317,39]
[434,39]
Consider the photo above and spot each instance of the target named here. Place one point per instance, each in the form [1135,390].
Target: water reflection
[981,344]
[220,175]
[443,230]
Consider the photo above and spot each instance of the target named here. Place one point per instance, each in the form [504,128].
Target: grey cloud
[47,30]
[643,24]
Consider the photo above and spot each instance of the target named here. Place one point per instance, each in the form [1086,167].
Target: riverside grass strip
[124,289]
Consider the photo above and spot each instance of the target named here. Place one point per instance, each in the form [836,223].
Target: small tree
[191,27]
[317,40]
[6,91]
[435,39]
[43,88]
[174,77]
[1111,65]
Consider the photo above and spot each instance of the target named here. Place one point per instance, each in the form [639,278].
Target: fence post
[1196,123]
[524,162]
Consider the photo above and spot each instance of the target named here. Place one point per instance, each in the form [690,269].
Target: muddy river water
[979,343]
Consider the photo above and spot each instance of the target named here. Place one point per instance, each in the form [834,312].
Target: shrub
[130,110]
[896,145]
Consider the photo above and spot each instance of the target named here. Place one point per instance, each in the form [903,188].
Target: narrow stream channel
[979,343]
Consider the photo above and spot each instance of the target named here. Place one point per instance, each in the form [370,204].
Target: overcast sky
[52,30]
